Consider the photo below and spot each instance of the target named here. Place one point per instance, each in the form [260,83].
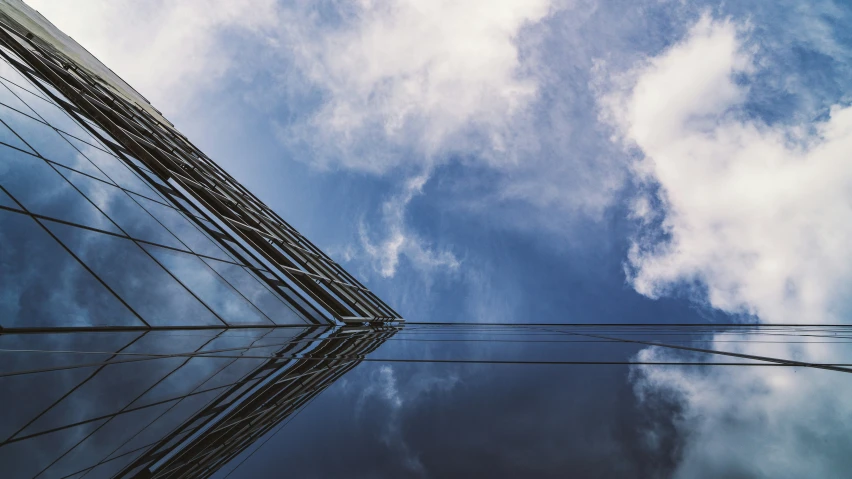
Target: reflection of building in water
[254,405]
[160,403]
[157,318]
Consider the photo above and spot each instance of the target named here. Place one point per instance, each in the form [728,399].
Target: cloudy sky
[535,161]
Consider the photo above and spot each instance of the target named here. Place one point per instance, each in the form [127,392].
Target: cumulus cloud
[411,85]
[418,78]
[760,216]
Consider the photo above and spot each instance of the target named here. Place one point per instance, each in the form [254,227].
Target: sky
[535,161]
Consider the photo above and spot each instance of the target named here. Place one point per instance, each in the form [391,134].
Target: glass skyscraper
[157,318]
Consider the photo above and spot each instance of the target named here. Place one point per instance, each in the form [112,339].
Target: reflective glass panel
[47,110]
[28,458]
[209,286]
[176,414]
[47,142]
[6,201]
[42,285]
[124,209]
[114,430]
[12,100]
[187,232]
[112,389]
[34,395]
[258,293]
[42,190]
[10,74]
[114,169]
[136,277]
[97,345]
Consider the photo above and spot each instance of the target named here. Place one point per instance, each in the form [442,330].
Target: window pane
[46,110]
[190,377]
[34,394]
[141,165]
[111,389]
[97,129]
[10,138]
[40,105]
[184,229]
[257,292]
[11,74]
[42,285]
[43,191]
[27,458]
[47,142]
[123,210]
[114,168]
[208,286]
[95,447]
[161,427]
[137,278]
[110,466]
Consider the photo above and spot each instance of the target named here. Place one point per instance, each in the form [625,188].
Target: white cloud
[385,254]
[761,216]
[754,422]
[166,50]
[411,80]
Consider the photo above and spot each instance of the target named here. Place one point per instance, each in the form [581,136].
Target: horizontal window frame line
[50,125]
[73,255]
[66,167]
[119,328]
[119,235]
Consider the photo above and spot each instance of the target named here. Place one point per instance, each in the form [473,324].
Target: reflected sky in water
[123,401]
[389,402]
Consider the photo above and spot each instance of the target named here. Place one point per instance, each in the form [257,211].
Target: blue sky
[534,161]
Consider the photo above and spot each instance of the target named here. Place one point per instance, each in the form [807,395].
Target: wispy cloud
[400,241]
[384,386]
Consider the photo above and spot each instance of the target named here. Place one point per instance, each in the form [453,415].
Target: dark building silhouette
[157,318]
